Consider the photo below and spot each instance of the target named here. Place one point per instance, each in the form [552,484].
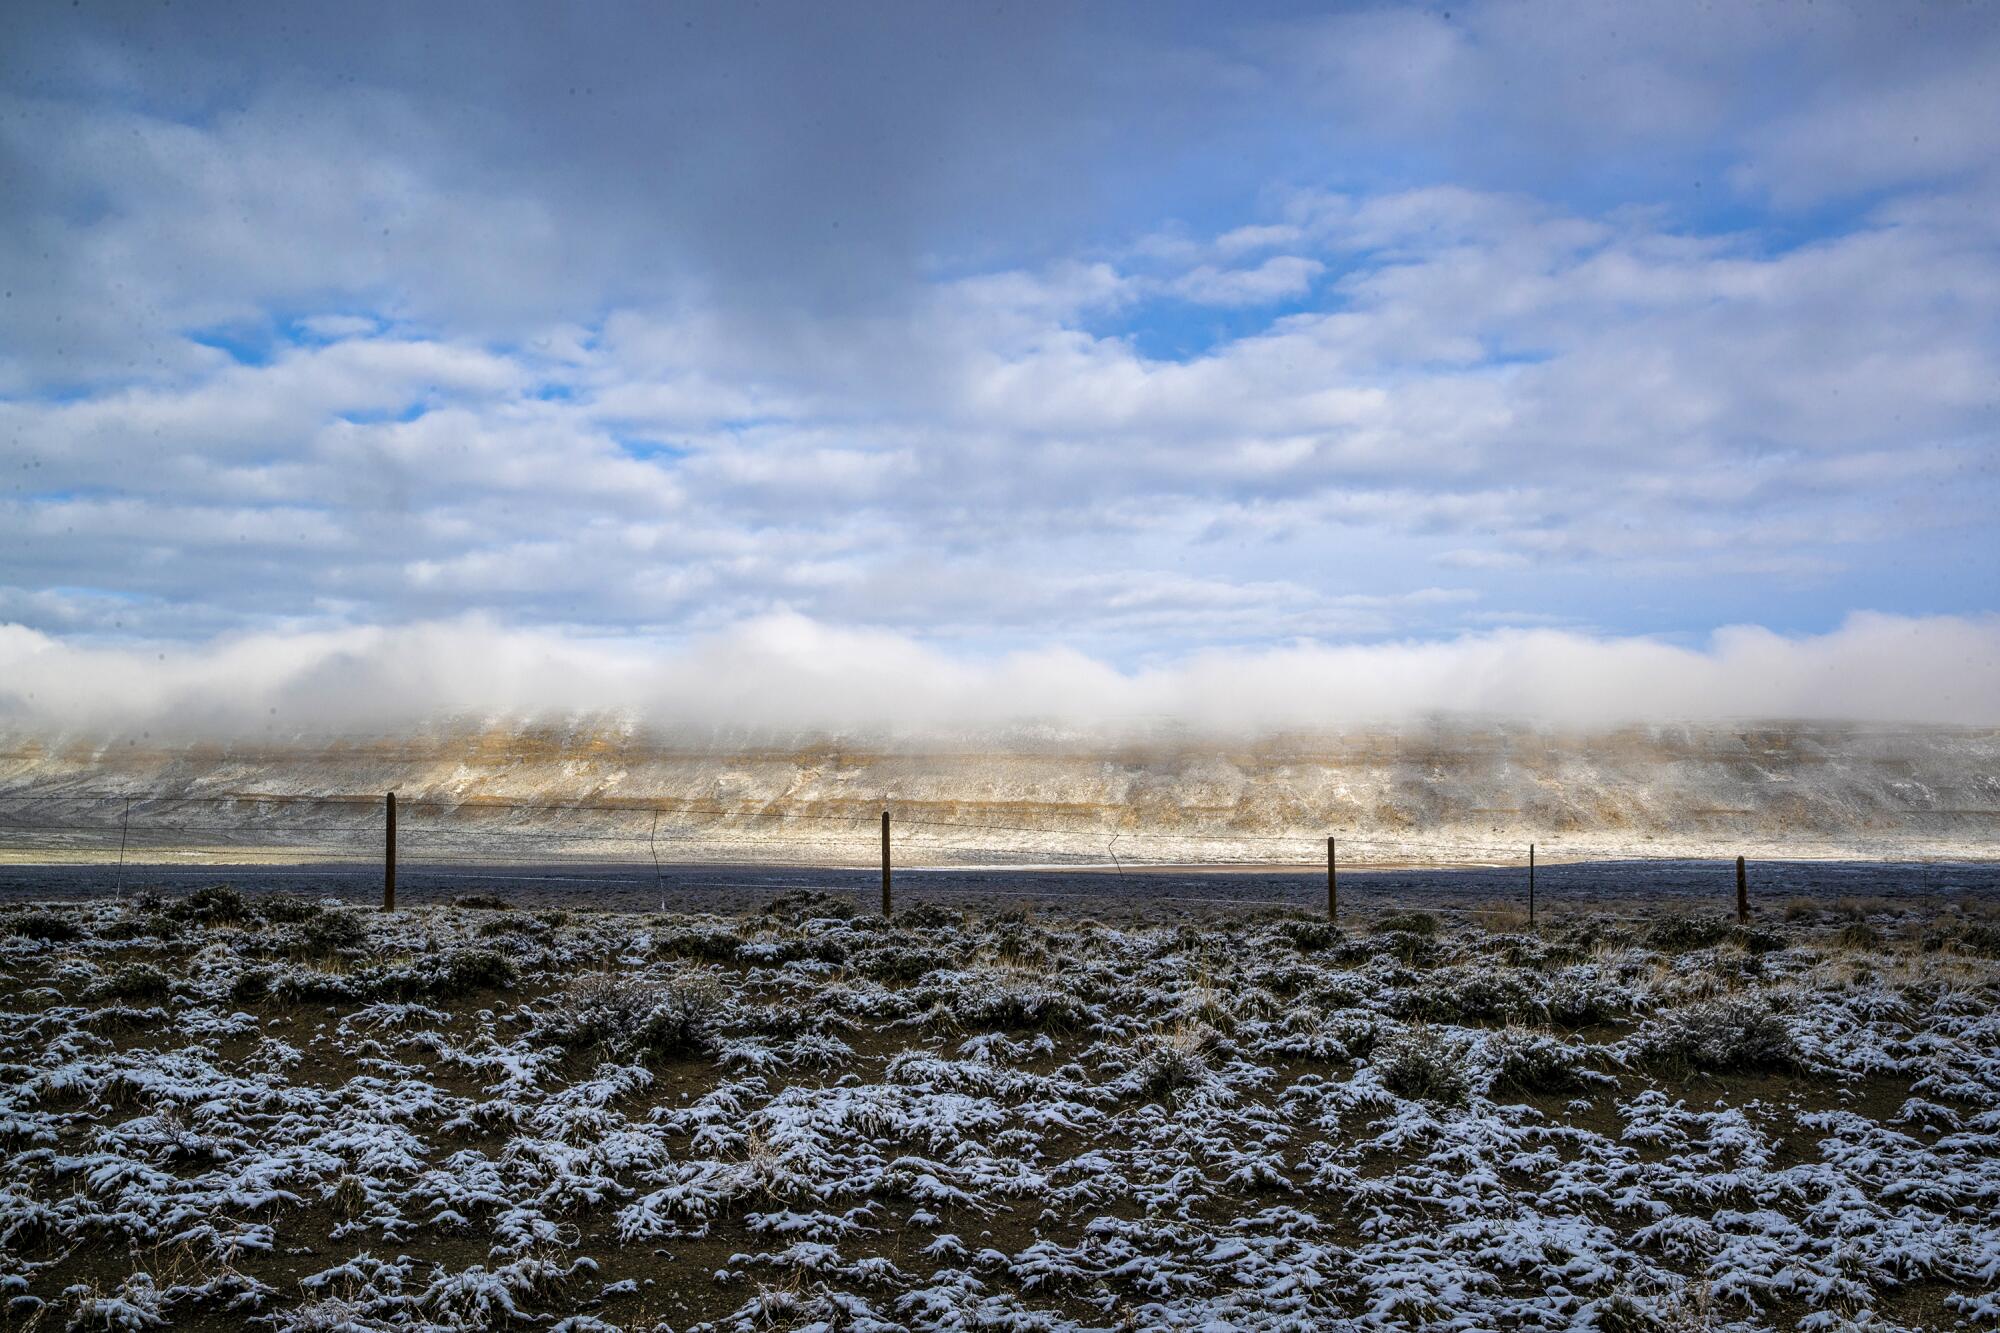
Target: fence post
[124,829]
[1742,894]
[885,865]
[1531,886]
[1332,884]
[389,857]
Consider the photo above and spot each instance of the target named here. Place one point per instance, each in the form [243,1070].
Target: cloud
[789,673]
[1499,388]
[648,326]
[1280,278]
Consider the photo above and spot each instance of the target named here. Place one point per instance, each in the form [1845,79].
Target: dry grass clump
[1966,937]
[1500,918]
[1176,1058]
[1858,935]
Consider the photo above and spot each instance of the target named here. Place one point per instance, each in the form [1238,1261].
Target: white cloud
[1500,387]
[787,672]
[332,328]
[485,367]
[1279,278]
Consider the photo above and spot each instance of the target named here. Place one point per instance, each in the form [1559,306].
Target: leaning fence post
[389,857]
[1531,886]
[885,865]
[124,829]
[1332,884]
[1742,894]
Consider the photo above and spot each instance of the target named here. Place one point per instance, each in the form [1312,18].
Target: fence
[595,845]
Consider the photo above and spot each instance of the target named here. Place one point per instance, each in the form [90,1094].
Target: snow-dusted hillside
[1441,792]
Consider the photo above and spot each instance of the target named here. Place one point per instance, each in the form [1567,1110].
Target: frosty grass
[269,1112]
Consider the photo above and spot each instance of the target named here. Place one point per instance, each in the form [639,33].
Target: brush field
[225,1110]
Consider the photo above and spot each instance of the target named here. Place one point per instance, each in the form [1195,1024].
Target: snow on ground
[279,1113]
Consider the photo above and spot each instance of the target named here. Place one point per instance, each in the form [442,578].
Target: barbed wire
[470,837]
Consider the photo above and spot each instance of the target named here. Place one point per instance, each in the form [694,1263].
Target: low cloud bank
[787,672]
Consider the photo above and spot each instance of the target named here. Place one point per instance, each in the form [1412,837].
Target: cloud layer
[788,674]
[1003,335]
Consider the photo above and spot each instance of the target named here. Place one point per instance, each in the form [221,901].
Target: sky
[1138,337]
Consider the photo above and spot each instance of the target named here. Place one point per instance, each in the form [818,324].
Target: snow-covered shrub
[1675,933]
[455,972]
[715,944]
[333,931]
[1415,923]
[1418,1063]
[900,962]
[814,905]
[1733,1033]
[509,923]
[43,925]
[684,1019]
[1525,1061]
[598,1008]
[136,1304]
[1755,940]
[1472,995]
[1011,998]
[132,981]
[1311,936]
[476,1298]
[287,908]
[139,926]
[1626,1312]
[674,1015]
[326,1314]
[1172,1059]
[1585,996]
[927,916]
[214,905]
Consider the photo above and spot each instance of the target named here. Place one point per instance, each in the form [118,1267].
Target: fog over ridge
[785,672]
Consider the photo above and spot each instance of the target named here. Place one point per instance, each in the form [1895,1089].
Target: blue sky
[1140,333]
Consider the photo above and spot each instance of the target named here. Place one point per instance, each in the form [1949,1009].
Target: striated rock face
[1447,791]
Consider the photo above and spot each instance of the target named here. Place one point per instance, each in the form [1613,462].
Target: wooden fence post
[1531,886]
[124,829]
[1332,884]
[1742,894]
[885,865]
[389,857]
